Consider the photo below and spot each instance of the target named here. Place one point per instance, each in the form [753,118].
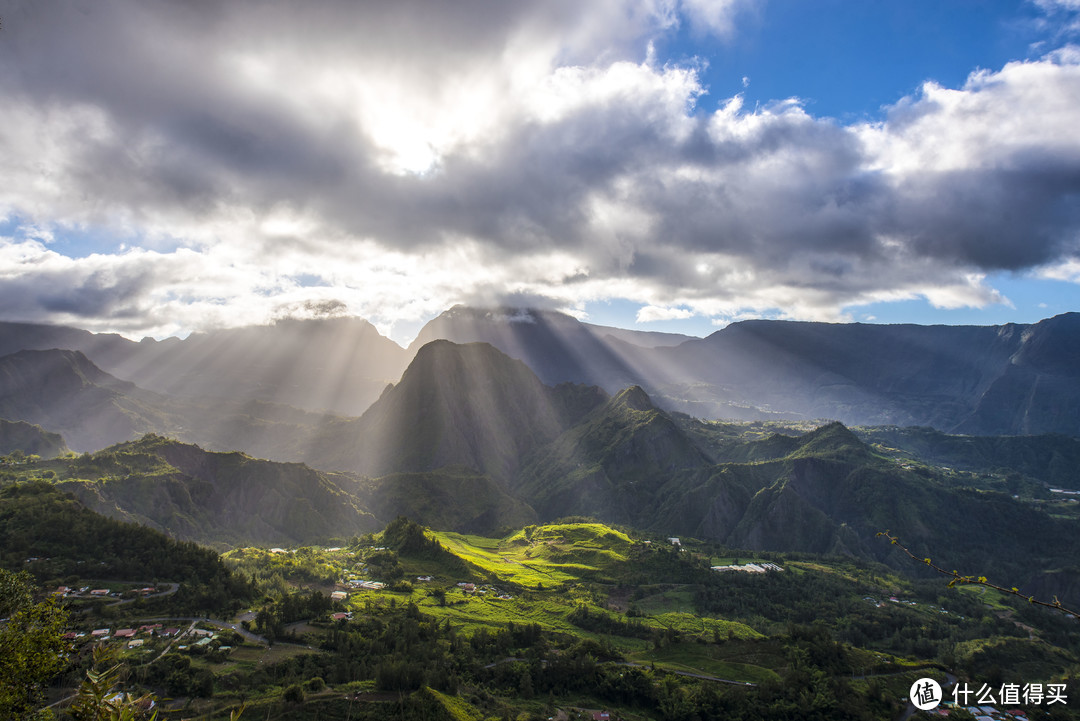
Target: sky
[675,165]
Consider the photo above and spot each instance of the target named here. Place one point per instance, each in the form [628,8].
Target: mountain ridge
[987,380]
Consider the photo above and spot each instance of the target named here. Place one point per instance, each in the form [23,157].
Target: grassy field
[548,572]
[543,557]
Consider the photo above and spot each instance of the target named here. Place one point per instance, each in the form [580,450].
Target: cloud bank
[393,158]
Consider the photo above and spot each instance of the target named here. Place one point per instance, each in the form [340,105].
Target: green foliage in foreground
[30,644]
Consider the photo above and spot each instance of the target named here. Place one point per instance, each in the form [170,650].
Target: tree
[31,644]
[100,699]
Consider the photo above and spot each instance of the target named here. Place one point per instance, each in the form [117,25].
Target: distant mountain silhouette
[62,391]
[337,364]
[1010,379]
[973,379]
[557,347]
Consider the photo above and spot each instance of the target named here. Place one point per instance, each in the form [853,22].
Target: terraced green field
[550,571]
[545,556]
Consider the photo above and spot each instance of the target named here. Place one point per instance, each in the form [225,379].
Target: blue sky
[660,164]
[849,60]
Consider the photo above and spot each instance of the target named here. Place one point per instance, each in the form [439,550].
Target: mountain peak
[634,398]
[829,440]
[467,404]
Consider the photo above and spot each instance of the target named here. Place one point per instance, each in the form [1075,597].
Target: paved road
[248,635]
[173,588]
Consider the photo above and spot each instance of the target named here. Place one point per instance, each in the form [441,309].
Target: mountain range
[985,380]
[470,438]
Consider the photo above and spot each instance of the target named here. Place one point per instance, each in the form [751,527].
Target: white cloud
[650,313]
[1067,270]
[412,155]
[716,17]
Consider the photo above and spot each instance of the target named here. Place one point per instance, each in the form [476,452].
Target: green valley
[558,619]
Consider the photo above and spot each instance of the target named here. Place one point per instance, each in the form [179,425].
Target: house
[61,591]
[601,715]
[425,579]
[371,585]
[674,541]
[340,616]
[100,592]
[338,596]
[135,643]
[100,633]
[125,633]
[170,632]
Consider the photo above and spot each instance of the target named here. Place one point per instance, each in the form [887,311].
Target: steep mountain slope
[338,365]
[466,405]
[857,373]
[832,494]
[232,498]
[105,349]
[611,464]
[30,439]
[970,379]
[823,492]
[215,497]
[1039,390]
[335,364]
[64,392]
[451,498]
